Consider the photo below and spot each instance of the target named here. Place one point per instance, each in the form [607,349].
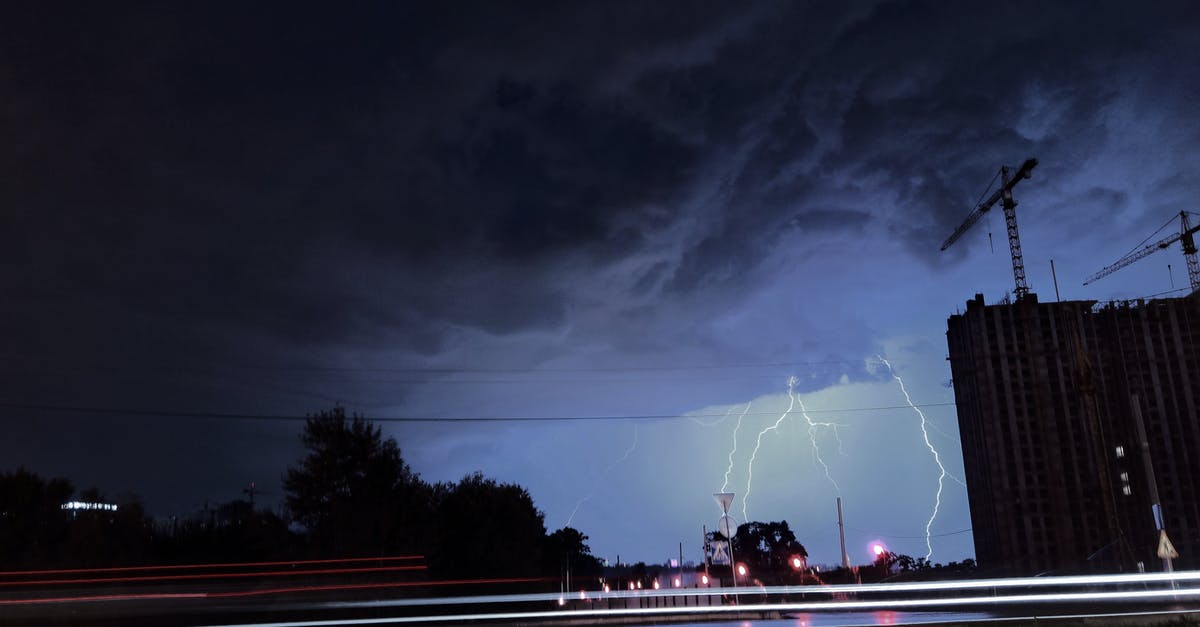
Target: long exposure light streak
[257,592]
[733,449]
[206,565]
[602,475]
[832,605]
[791,383]
[937,458]
[832,591]
[198,576]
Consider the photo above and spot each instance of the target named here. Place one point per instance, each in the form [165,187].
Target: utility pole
[1165,550]
[842,535]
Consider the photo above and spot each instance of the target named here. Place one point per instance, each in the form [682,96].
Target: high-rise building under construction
[1050,396]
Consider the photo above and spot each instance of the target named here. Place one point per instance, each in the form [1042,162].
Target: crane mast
[1187,241]
[1008,180]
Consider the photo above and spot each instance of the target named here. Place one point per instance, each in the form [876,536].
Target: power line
[452,370]
[422,419]
[885,535]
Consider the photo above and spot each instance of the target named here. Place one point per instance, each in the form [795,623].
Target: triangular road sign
[724,499]
[1165,550]
[720,552]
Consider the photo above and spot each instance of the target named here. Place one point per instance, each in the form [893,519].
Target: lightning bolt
[734,448]
[937,502]
[604,473]
[813,427]
[791,383]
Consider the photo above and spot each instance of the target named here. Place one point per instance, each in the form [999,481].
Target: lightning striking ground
[604,473]
[733,449]
[937,503]
[791,383]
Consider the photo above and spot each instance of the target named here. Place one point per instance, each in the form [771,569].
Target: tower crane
[1189,253]
[1009,180]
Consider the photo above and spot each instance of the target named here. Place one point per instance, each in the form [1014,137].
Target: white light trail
[937,458]
[602,475]
[791,383]
[733,449]
[836,602]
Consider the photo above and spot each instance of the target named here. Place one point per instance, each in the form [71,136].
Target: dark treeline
[351,495]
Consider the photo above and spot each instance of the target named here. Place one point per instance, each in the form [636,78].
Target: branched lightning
[812,435]
[733,449]
[603,474]
[758,443]
[937,503]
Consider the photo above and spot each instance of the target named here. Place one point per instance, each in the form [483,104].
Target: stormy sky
[639,218]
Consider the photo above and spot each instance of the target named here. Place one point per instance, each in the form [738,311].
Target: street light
[742,571]
[797,562]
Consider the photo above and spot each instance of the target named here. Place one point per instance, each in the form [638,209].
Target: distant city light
[877,549]
[85,505]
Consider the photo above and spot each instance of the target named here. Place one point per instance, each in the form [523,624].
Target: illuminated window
[1120,451]
[1124,476]
[1127,490]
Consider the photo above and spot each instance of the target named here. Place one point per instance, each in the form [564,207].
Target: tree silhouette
[353,492]
[567,547]
[487,529]
[32,522]
[767,548]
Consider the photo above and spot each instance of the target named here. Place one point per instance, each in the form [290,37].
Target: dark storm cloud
[215,190]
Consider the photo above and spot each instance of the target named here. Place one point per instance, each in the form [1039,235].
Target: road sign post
[724,499]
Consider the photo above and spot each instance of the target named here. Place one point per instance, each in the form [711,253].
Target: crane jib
[1023,172]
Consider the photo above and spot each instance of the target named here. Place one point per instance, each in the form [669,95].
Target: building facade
[1057,478]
